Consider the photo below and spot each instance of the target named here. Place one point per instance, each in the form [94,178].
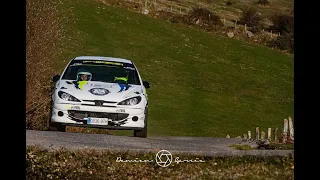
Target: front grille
[80,115]
[97,105]
[112,102]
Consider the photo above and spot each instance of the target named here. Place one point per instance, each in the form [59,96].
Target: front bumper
[119,117]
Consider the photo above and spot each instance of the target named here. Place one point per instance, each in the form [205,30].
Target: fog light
[60,113]
[134,118]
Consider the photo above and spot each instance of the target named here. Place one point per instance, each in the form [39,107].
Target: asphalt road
[190,145]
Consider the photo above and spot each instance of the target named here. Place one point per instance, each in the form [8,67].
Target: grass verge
[272,146]
[241,147]
[94,164]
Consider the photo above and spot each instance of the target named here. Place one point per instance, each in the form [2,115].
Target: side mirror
[146,84]
[56,78]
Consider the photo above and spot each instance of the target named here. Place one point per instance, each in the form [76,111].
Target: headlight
[131,101]
[67,97]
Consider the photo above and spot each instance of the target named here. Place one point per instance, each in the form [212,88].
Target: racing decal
[123,87]
[123,83]
[127,66]
[104,62]
[75,107]
[99,91]
[124,79]
[120,110]
[76,84]
[102,86]
[79,84]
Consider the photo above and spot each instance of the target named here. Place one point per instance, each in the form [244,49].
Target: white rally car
[100,92]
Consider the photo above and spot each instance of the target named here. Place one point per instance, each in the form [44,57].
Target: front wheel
[54,126]
[142,133]
[57,127]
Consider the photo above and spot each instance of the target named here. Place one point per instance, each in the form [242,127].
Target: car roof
[103,58]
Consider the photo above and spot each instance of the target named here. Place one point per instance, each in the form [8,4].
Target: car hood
[85,92]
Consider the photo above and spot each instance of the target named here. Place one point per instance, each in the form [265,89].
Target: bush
[180,19]
[250,16]
[209,1]
[205,16]
[263,2]
[42,34]
[283,42]
[255,29]
[228,3]
[282,23]
[173,18]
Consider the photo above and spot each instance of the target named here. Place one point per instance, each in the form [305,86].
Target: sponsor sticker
[120,110]
[75,107]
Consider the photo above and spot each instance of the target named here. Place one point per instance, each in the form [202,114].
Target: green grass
[280,146]
[241,147]
[94,164]
[272,146]
[201,84]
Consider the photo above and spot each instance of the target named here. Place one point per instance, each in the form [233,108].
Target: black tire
[57,127]
[142,133]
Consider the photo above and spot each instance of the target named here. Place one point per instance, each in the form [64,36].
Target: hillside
[265,22]
[202,84]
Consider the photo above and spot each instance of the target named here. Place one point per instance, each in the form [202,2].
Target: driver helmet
[84,75]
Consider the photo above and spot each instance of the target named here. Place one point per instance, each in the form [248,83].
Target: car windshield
[104,71]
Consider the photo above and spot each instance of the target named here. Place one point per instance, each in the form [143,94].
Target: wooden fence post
[291,135]
[262,135]
[285,131]
[257,133]
[269,134]
[249,134]
[275,135]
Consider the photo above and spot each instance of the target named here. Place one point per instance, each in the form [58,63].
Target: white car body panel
[109,106]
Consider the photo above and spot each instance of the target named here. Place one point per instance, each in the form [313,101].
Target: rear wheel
[142,133]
